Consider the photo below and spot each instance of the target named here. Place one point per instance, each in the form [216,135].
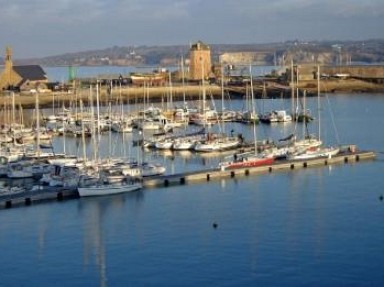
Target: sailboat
[274,116]
[299,116]
[204,116]
[220,141]
[244,160]
[246,115]
[109,189]
[316,150]
[92,183]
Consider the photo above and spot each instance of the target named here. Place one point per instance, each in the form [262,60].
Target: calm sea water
[314,227]
[61,74]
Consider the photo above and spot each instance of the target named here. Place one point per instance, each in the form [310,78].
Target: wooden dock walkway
[42,193]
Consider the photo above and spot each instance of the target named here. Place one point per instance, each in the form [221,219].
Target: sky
[39,28]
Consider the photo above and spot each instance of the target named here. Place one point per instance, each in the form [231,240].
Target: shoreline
[189,92]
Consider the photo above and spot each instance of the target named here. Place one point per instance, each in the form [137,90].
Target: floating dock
[42,194]
[283,165]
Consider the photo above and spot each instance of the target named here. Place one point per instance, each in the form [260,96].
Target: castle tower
[200,60]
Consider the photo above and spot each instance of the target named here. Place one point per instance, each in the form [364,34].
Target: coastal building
[21,78]
[199,61]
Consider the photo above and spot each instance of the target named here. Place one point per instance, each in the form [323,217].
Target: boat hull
[107,189]
[247,163]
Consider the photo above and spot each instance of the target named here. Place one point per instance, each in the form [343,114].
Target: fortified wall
[245,58]
[367,72]
[361,72]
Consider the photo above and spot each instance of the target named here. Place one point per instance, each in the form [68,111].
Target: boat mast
[37,124]
[98,108]
[83,133]
[304,113]
[182,79]
[93,125]
[253,109]
[13,108]
[292,91]
[170,102]
[12,125]
[222,97]
[318,100]
[204,92]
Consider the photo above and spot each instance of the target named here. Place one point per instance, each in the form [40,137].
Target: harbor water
[310,227]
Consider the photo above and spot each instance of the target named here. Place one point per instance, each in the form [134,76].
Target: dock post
[346,159]
[166,182]
[292,166]
[232,174]
[182,180]
[270,169]
[28,201]
[357,157]
[246,172]
[208,177]
[60,196]
[8,204]
[305,164]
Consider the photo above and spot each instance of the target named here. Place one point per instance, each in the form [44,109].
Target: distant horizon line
[186,45]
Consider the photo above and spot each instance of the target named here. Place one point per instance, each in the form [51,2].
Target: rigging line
[333,120]
[263,97]
[221,124]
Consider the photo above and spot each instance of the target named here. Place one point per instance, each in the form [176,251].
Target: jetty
[39,194]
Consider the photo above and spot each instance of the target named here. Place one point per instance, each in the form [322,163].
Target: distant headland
[279,54]
[219,67]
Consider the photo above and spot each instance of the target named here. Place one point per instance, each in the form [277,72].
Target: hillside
[326,52]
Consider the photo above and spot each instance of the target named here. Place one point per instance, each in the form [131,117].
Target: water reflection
[95,211]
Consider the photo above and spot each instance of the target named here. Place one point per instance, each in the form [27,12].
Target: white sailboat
[316,150]
[248,159]
[221,141]
[217,143]
[108,189]
[274,116]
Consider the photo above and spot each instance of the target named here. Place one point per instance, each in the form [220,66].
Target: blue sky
[38,28]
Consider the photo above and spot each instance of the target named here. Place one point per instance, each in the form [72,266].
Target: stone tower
[7,76]
[8,58]
[200,61]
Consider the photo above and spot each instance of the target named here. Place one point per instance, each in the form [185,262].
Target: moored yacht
[108,189]
[246,160]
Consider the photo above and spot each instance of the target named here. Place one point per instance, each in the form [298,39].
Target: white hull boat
[317,153]
[108,189]
[219,144]
[187,144]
